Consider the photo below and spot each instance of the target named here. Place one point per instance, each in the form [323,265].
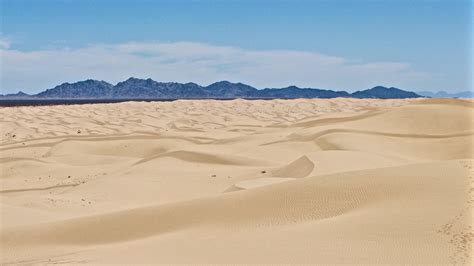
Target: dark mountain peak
[133,82]
[137,88]
[292,87]
[132,79]
[21,93]
[228,84]
[221,83]
[89,88]
[80,85]
[227,89]
[381,92]
[379,87]
[137,80]
[293,92]
[383,88]
[17,95]
[87,81]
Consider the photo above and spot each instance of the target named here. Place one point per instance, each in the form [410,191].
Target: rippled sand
[277,181]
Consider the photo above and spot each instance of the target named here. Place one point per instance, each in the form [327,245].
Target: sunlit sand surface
[280,181]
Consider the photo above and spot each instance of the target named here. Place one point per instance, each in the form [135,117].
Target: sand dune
[282,181]
[301,167]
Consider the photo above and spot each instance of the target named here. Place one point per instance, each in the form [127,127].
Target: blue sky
[419,45]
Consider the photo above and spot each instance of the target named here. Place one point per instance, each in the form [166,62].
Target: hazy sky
[350,45]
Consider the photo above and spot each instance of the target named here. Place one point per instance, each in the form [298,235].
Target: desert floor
[277,181]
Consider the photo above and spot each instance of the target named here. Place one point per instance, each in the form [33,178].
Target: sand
[278,181]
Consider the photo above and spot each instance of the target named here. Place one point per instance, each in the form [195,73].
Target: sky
[348,45]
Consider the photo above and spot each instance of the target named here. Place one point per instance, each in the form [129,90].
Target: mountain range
[134,88]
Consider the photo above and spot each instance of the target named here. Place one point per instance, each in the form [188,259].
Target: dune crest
[301,167]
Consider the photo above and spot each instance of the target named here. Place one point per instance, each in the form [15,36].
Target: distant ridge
[83,89]
[443,94]
[134,88]
[381,92]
